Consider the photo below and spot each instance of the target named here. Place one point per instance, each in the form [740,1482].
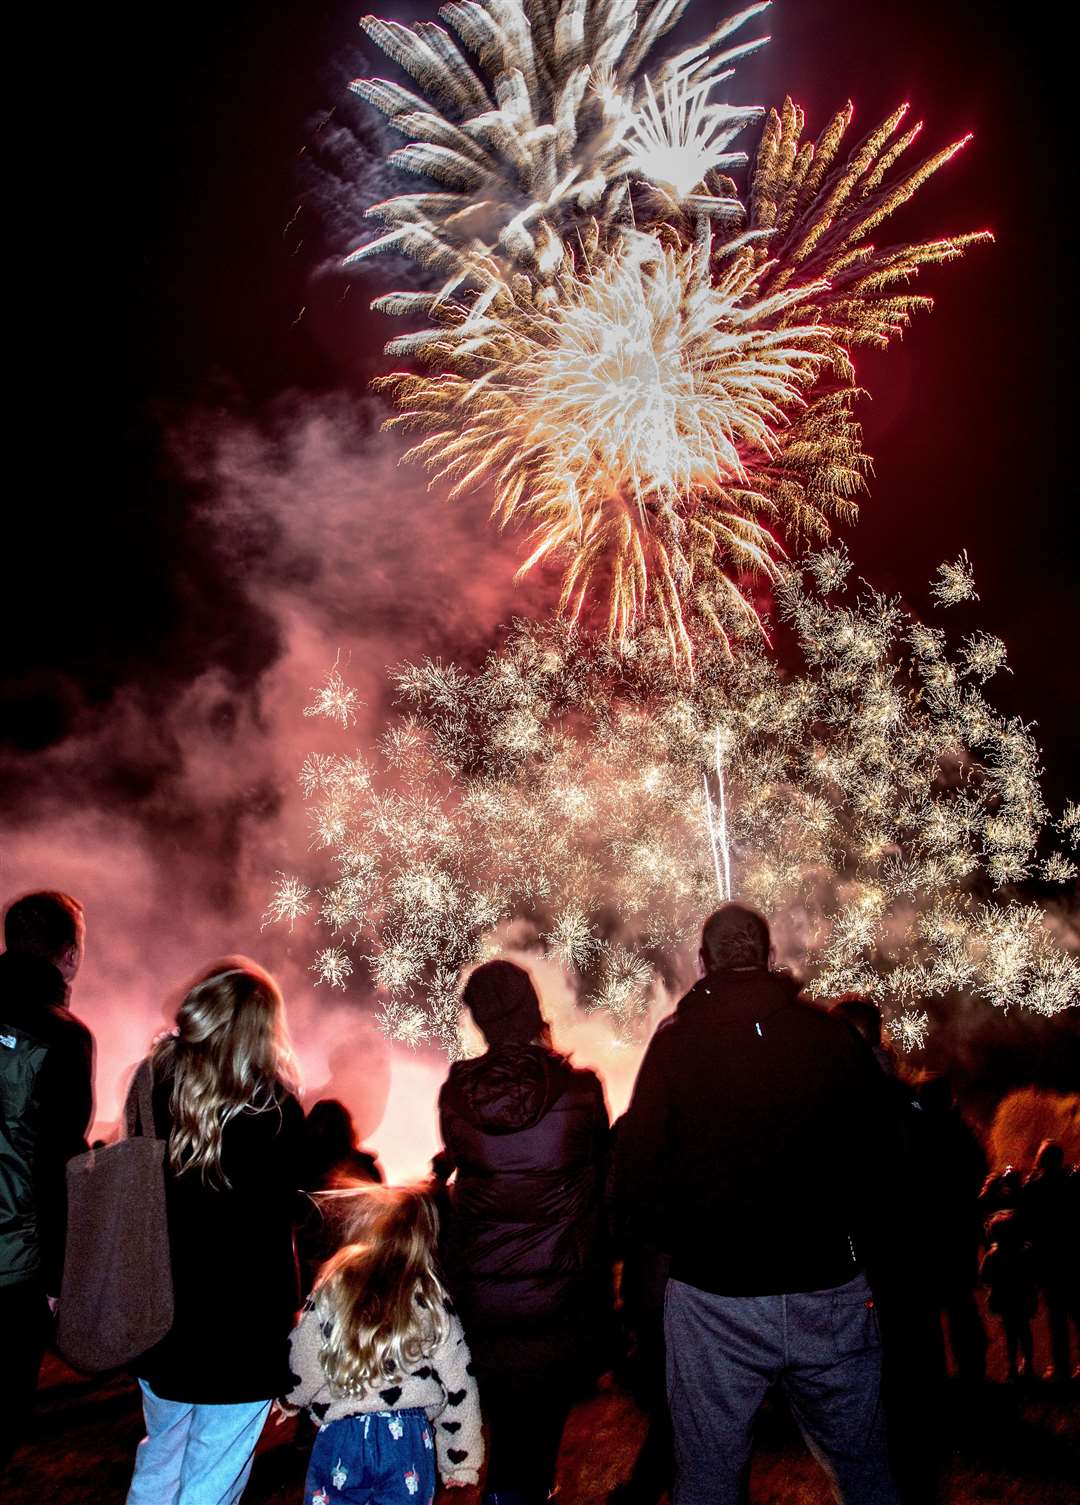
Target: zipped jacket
[523,1245]
[760,1144]
[46,1104]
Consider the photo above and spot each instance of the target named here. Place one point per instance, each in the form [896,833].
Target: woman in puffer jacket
[524,1243]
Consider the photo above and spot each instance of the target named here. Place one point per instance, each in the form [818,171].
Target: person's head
[230,1051]
[29,979]
[735,938]
[501,998]
[1050,1157]
[329,1134]
[48,924]
[862,1015]
[380,1302]
[1004,1227]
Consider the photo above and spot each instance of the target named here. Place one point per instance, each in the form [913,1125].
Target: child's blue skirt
[379,1458]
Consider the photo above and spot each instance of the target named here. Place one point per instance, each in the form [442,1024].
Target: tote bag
[116,1296]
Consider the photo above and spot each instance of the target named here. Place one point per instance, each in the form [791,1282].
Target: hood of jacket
[509,1088]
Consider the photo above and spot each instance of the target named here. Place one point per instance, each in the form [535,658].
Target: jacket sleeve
[306,1371]
[65,1097]
[459,1443]
[641,1144]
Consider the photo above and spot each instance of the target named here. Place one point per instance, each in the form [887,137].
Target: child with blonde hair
[380,1363]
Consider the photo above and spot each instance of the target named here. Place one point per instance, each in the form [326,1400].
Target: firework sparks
[537,142]
[625,420]
[335,700]
[851,796]
[289,901]
[648,371]
[333,965]
[955,582]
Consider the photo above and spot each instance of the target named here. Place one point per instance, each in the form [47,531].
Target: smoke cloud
[168,808]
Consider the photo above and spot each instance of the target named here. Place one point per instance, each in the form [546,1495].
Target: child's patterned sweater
[441,1385]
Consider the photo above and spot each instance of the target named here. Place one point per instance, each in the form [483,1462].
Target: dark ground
[1008,1446]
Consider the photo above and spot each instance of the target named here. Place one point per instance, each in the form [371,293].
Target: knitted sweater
[441,1385]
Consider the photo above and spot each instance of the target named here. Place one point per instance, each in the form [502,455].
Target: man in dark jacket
[523,1247]
[749,1151]
[46,1103]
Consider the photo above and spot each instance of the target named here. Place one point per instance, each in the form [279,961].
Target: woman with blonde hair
[224,1086]
[380,1362]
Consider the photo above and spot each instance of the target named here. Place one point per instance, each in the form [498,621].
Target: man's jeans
[724,1352]
[195,1455]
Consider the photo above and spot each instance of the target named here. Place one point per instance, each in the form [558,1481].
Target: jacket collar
[750,990]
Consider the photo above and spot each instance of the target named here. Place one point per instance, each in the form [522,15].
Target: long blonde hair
[230,1054]
[379,1301]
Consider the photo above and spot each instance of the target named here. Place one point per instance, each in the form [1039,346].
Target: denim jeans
[375,1458]
[195,1455]
[821,1347]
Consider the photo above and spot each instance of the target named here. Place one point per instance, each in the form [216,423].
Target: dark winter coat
[523,1248]
[234,1271]
[758,1142]
[46,1103]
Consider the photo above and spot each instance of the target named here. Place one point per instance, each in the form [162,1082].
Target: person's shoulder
[816,1018]
[59,1028]
[584,1084]
[583,1077]
[73,1027]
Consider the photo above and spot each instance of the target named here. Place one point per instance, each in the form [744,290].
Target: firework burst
[633,421]
[875,804]
[651,373]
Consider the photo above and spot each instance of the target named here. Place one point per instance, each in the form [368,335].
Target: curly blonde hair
[379,1301]
[230,1054]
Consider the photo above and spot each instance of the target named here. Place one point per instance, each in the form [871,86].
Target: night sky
[183,265]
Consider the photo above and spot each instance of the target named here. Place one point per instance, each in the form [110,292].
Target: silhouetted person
[949,1169]
[1001,1192]
[643,1280]
[524,1246]
[46,1104]
[1008,1272]
[331,1165]
[332,1156]
[753,1151]
[913,1368]
[223,1101]
[1050,1221]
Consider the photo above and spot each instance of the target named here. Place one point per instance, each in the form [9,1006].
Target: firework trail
[648,370]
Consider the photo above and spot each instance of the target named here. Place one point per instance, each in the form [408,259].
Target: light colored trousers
[195,1455]
[821,1347]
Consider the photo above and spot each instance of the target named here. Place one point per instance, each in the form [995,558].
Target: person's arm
[642,1143]
[459,1442]
[306,1370]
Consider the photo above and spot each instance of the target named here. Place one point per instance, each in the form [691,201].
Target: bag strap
[139,1108]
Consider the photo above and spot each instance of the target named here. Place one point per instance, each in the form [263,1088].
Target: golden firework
[633,420]
[650,373]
